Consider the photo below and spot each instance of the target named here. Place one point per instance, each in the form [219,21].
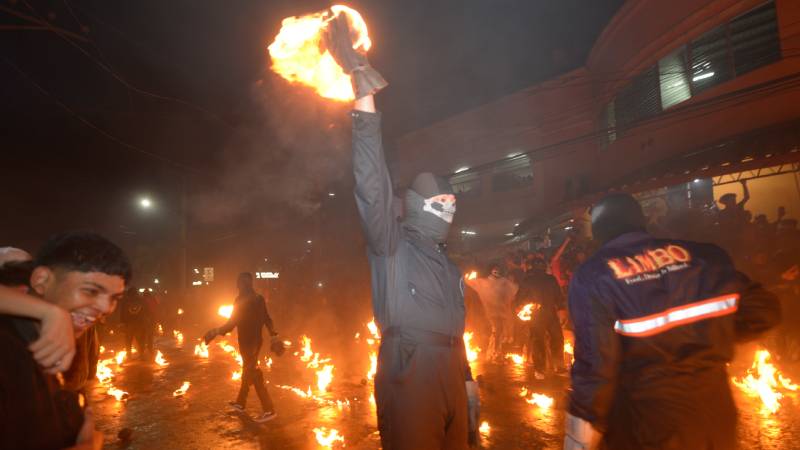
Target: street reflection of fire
[327,438]
[160,359]
[526,312]
[201,350]
[763,380]
[298,56]
[516,358]
[225,311]
[182,390]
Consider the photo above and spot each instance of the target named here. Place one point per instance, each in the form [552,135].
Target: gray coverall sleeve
[597,354]
[373,190]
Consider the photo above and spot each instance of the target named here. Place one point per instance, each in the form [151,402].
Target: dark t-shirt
[35,412]
[249,315]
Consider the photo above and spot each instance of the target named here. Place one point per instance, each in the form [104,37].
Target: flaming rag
[655,323]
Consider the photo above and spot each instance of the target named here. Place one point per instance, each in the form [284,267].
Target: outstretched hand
[210,335]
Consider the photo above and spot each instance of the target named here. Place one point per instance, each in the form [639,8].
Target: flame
[160,359]
[373,330]
[180,311]
[181,390]
[268,363]
[472,352]
[102,349]
[160,330]
[515,358]
[201,350]
[225,311]
[120,357]
[526,313]
[117,393]
[324,377]
[307,353]
[178,336]
[327,438]
[485,429]
[237,375]
[570,351]
[373,365]
[296,54]
[471,276]
[763,380]
[541,400]
[523,392]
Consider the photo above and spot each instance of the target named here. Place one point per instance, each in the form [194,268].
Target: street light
[145,203]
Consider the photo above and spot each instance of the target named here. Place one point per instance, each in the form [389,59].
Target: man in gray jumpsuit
[417,293]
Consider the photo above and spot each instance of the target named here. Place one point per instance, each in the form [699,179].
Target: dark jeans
[545,322]
[421,396]
[251,375]
[135,331]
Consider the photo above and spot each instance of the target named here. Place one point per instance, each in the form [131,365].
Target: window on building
[639,100]
[609,123]
[513,173]
[673,78]
[754,39]
[466,185]
[711,62]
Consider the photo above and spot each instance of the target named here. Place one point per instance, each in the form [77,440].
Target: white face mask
[442,206]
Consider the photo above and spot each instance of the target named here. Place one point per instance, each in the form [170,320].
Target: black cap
[615,215]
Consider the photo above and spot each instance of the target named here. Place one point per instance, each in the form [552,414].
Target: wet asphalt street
[200,419]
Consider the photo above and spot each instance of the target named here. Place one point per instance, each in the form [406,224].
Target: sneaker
[538,375]
[236,406]
[265,417]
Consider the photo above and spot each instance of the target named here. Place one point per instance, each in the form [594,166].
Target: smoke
[293,147]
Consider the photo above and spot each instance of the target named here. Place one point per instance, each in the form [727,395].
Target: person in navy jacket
[655,323]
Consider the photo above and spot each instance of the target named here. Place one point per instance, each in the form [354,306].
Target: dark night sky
[439,57]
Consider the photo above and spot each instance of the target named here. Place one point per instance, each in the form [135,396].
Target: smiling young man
[84,274]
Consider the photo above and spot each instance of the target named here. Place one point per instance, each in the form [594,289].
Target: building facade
[689,93]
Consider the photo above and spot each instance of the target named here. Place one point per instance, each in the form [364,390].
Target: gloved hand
[210,335]
[473,411]
[580,434]
[365,79]
[276,345]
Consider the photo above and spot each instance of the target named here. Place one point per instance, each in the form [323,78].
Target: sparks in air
[298,55]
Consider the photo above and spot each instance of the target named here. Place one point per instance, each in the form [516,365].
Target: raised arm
[373,192]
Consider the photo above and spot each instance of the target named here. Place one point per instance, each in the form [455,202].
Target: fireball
[298,56]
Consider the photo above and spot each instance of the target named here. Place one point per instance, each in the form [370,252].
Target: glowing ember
[201,350]
[472,352]
[182,390]
[327,438]
[296,52]
[324,377]
[515,358]
[117,393]
[178,336]
[485,429]
[763,380]
[526,313]
[160,359]
[225,311]
[540,400]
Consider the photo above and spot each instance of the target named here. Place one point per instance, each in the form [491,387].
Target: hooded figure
[417,300]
